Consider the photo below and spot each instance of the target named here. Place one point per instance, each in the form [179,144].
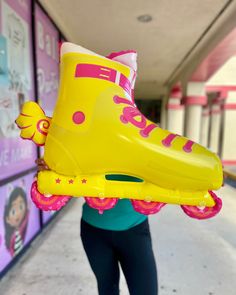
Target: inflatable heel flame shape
[99,145]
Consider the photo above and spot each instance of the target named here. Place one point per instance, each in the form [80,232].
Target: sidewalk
[193,257]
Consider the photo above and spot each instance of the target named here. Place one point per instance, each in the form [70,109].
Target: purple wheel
[49,203]
[203,212]
[146,207]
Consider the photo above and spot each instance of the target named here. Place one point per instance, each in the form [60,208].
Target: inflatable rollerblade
[97,133]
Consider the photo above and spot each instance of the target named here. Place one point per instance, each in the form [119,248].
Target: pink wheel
[47,203]
[101,204]
[203,212]
[146,207]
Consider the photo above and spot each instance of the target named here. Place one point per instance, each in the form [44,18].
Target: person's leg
[137,260]
[98,247]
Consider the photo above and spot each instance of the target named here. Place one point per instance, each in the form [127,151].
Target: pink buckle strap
[104,73]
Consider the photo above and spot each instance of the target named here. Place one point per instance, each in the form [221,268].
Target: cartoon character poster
[16,84]
[19,218]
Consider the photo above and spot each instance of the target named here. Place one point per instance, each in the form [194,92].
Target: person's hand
[41,164]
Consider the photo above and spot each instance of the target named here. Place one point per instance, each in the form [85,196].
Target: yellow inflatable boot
[98,144]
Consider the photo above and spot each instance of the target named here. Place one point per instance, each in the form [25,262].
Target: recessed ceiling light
[144,18]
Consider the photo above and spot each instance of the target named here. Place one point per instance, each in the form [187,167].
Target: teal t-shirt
[121,217]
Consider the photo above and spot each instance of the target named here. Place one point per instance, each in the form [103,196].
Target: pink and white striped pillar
[205,125]
[194,102]
[175,111]
[228,153]
[216,113]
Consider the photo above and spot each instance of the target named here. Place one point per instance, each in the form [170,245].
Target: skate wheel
[203,212]
[146,207]
[101,204]
[47,203]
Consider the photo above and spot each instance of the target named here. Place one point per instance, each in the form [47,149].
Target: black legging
[132,248]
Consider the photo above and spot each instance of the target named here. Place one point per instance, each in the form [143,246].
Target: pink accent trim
[55,202]
[147,130]
[214,112]
[45,124]
[188,146]
[168,140]
[147,208]
[129,114]
[101,204]
[216,88]
[23,127]
[195,100]
[117,99]
[223,90]
[175,106]
[176,92]
[104,73]
[78,117]
[229,106]
[229,162]
[24,115]
[115,54]
[206,212]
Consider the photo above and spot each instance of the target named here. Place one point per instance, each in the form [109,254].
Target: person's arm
[42,165]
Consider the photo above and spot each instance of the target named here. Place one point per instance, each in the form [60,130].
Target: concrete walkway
[193,257]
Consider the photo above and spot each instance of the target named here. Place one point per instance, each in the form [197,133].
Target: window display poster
[19,218]
[16,84]
[47,215]
[47,45]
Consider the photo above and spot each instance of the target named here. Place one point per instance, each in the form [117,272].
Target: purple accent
[146,131]
[206,212]
[188,146]
[78,117]
[104,73]
[168,140]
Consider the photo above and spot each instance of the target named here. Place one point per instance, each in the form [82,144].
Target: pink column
[216,121]
[228,153]
[175,110]
[204,133]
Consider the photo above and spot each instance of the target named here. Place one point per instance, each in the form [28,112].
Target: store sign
[47,38]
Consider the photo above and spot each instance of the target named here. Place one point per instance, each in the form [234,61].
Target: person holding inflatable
[119,236]
[100,146]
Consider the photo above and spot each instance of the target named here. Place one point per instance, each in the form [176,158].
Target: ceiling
[170,47]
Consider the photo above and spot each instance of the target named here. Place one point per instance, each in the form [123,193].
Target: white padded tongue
[67,47]
[128,58]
